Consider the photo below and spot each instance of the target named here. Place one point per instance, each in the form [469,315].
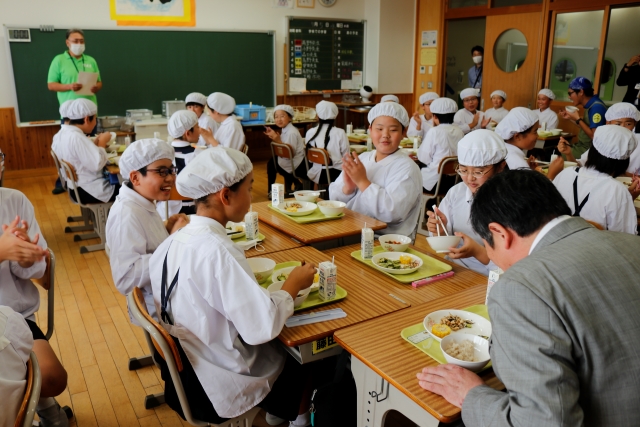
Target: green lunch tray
[261,237]
[430,266]
[316,216]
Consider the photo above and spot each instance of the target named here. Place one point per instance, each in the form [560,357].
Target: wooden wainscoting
[25,147]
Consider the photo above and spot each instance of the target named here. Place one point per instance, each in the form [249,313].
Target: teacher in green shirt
[64,69]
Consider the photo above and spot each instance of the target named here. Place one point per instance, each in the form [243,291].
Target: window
[623,42]
[455,4]
[503,3]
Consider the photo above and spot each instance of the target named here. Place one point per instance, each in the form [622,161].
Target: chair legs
[100,212]
[85,217]
[151,400]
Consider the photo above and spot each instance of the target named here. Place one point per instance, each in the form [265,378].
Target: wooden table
[363,302]
[274,241]
[346,107]
[383,362]
[318,232]
[463,278]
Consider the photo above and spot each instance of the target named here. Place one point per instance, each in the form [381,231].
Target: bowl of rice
[466,350]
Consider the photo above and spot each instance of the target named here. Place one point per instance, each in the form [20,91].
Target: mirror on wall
[510,50]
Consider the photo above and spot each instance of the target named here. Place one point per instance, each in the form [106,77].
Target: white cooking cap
[481,148]
[614,142]
[548,93]
[619,111]
[390,109]
[469,92]
[64,108]
[221,102]
[517,120]
[390,98]
[142,153]
[428,96]
[180,122]
[285,108]
[196,97]
[213,170]
[327,110]
[443,106]
[499,93]
[81,108]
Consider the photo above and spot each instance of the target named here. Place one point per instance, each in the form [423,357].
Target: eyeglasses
[570,92]
[476,174]
[164,172]
[469,99]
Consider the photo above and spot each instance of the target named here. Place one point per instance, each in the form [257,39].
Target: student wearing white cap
[229,133]
[497,112]
[441,141]
[420,124]
[87,157]
[329,137]
[58,189]
[546,114]
[390,98]
[211,303]
[469,117]
[519,130]
[196,102]
[184,129]
[384,183]
[592,192]
[481,154]
[290,135]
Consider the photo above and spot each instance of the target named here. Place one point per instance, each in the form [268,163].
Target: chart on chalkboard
[325,55]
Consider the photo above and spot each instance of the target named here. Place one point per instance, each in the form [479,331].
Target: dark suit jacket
[629,79]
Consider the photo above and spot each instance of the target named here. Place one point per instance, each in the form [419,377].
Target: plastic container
[277,194]
[141,114]
[251,113]
[170,107]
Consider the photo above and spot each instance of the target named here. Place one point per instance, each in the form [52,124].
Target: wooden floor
[93,336]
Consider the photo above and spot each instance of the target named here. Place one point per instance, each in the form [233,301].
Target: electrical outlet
[421,85]
[430,85]
[430,69]
[423,69]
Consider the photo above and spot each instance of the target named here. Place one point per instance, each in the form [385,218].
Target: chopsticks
[310,191]
[440,221]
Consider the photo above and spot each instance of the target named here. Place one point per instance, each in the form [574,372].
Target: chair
[31,395]
[174,196]
[320,156]
[98,210]
[2,167]
[284,151]
[86,214]
[245,149]
[447,166]
[47,282]
[166,347]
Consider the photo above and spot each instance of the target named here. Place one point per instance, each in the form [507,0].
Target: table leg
[376,397]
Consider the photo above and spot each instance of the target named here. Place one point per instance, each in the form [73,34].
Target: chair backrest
[282,150]
[63,181]
[47,279]
[319,155]
[447,165]
[70,171]
[177,196]
[31,395]
[47,282]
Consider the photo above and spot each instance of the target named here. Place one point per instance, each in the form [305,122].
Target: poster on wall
[162,13]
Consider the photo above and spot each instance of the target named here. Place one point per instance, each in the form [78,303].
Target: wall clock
[327,3]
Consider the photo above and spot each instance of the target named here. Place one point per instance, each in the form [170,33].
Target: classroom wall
[397,33]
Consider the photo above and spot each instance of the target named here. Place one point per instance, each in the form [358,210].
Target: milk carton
[328,280]
[277,194]
[494,276]
[366,249]
[251,225]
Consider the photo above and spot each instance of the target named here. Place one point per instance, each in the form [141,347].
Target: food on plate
[236,228]
[462,351]
[284,276]
[440,331]
[403,263]
[456,322]
[293,207]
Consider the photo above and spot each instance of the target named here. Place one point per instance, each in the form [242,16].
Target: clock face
[327,3]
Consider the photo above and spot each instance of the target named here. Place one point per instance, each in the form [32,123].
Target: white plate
[481,326]
[394,256]
[231,225]
[307,208]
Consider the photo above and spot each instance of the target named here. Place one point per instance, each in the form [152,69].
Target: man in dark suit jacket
[630,77]
[564,315]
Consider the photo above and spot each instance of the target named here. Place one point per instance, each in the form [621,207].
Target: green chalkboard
[140,69]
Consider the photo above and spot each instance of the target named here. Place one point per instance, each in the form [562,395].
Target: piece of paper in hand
[87,80]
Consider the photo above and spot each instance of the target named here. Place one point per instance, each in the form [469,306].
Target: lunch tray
[430,266]
[430,346]
[316,216]
[313,300]
[261,237]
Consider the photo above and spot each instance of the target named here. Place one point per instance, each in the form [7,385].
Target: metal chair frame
[321,157]
[284,151]
[47,282]
[31,395]
[85,213]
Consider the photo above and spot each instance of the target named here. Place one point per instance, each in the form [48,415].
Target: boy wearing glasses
[470,118]
[581,94]
[134,228]
[481,155]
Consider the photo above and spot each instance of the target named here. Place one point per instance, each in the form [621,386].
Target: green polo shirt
[64,69]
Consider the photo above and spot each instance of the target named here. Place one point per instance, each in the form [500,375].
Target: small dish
[297,208]
[236,226]
[262,268]
[306,195]
[480,325]
[394,242]
[331,207]
[441,244]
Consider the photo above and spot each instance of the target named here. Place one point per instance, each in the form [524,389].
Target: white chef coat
[337,147]
[496,114]
[548,116]
[394,195]
[441,141]
[456,206]
[176,205]
[230,133]
[464,117]
[424,127]
[222,317]
[291,136]
[87,158]
[515,158]
[134,231]
[16,289]
[609,204]
[16,342]
[206,122]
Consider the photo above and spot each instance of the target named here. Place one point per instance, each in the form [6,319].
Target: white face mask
[77,48]
[477,59]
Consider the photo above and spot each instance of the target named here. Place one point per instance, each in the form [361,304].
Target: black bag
[335,403]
